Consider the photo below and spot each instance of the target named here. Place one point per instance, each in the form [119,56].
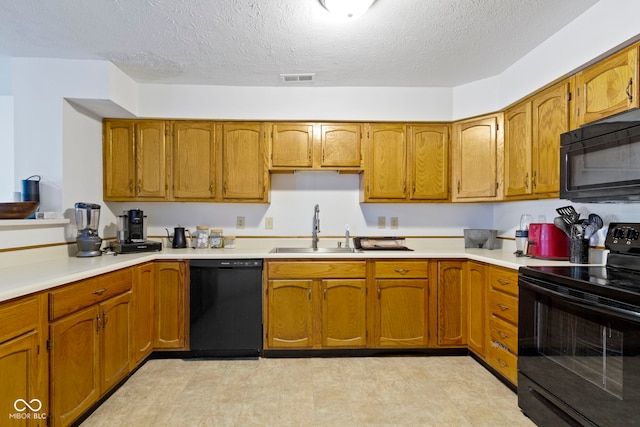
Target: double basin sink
[313,251]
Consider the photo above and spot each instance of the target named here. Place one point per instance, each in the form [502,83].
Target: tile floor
[367,391]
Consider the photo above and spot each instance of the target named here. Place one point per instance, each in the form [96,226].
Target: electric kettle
[179,239]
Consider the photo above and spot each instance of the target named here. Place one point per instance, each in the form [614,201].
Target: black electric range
[579,338]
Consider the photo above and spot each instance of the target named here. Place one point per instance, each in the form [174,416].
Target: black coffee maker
[131,235]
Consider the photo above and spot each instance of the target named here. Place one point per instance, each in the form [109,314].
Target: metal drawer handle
[503,335]
[503,282]
[401,271]
[503,307]
[628,90]
[502,362]
[99,291]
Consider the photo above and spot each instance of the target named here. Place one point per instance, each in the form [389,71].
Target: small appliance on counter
[480,238]
[380,244]
[131,235]
[546,241]
[87,219]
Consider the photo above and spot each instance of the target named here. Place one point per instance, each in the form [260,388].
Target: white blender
[87,219]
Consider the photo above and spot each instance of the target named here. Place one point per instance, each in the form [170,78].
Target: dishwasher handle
[226,263]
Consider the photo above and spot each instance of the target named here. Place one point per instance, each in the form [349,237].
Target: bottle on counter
[202,237]
[216,239]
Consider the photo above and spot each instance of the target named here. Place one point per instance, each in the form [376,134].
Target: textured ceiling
[429,43]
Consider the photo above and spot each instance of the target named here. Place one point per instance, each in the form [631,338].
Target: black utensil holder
[579,251]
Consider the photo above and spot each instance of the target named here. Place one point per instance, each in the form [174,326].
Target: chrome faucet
[346,236]
[316,227]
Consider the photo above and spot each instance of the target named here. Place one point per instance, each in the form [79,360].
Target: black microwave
[601,163]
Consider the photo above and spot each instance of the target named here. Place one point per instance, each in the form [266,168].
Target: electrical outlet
[240,222]
[382,222]
[394,222]
[268,223]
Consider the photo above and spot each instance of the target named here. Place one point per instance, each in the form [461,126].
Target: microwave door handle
[633,316]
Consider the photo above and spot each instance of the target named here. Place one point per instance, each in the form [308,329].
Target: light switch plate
[394,222]
[268,223]
[382,222]
[240,222]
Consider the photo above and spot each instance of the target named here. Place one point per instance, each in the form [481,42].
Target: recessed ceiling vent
[298,78]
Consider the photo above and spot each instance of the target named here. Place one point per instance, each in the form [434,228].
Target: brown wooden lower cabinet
[502,310]
[170,305]
[142,312]
[315,304]
[451,304]
[476,308]
[89,348]
[23,364]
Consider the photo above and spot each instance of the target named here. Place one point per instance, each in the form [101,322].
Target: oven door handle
[633,316]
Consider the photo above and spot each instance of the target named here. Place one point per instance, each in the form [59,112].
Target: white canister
[202,237]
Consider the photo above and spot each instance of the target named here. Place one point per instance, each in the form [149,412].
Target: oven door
[578,357]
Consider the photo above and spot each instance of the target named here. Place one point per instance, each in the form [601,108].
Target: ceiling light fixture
[349,9]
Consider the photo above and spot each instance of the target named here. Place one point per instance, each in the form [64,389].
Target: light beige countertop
[28,271]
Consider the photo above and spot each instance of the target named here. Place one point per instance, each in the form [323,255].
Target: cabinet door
[401,313]
[243,161]
[142,313]
[194,160]
[340,145]
[607,87]
[452,304]
[344,313]
[517,151]
[429,159]
[291,145]
[169,305]
[290,314]
[550,119]
[151,160]
[115,350]
[475,159]
[74,379]
[387,161]
[19,379]
[476,308]
[119,166]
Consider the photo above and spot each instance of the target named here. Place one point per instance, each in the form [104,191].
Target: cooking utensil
[562,224]
[596,220]
[569,211]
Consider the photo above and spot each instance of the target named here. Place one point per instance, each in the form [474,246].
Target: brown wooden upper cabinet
[608,87]
[315,146]
[244,172]
[406,162]
[195,160]
[476,159]
[532,143]
[136,159]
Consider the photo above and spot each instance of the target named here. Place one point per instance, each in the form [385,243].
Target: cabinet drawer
[88,292]
[504,333]
[317,270]
[503,306]
[18,317]
[504,280]
[402,269]
[503,362]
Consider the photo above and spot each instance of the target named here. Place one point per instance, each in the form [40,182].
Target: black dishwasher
[226,308]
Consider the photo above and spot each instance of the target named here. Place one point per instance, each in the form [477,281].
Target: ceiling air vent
[298,78]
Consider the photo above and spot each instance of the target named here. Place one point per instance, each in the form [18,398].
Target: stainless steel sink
[313,251]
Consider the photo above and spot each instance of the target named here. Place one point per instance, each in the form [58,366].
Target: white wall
[6,148]
[295,103]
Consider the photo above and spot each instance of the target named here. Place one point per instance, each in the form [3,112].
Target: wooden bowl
[17,210]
